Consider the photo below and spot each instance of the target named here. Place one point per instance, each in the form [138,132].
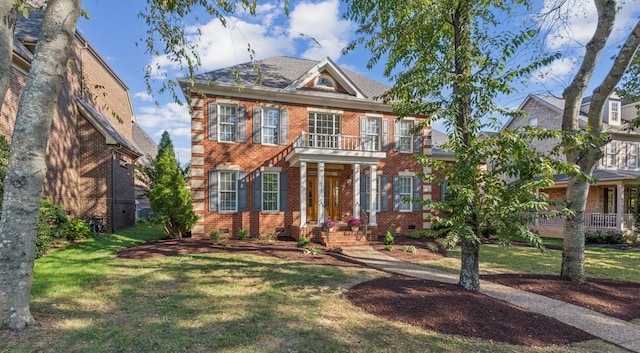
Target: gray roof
[279,72]
[438,139]
[604,174]
[28,29]
[144,143]
[104,125]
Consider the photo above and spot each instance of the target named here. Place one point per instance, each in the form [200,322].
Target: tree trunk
[585,156]
[27,162]
[573,249]
[469,269]
[8,14]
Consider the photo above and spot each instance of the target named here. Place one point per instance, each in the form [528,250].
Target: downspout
[113,189]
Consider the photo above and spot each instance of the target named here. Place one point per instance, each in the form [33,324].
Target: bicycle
[96,224]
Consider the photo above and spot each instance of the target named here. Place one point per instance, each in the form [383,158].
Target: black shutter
[257,191]
[213,191]
[417,190]
[242,191]
[284,192]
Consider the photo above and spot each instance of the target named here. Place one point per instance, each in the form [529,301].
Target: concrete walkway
[616,331]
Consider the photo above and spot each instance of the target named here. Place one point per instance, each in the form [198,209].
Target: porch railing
[336,142]
[592,220]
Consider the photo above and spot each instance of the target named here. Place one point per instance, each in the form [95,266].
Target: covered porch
[331,171]
[608,208]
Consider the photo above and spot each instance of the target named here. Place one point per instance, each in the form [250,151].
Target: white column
[620,205]
[373,182]
[356,190]
[321,206]
[303,194]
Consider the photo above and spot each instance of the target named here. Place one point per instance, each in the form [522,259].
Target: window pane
[404,184]
[405,136]
[228,121]
[270,192]
[324,130]
[228,191]
[270,122]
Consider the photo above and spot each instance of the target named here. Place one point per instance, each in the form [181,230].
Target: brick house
[89,155]
[284,155]
[611,197]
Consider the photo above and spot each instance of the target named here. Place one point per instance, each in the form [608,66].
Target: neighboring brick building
[89,156]
[263,153]
[611,197]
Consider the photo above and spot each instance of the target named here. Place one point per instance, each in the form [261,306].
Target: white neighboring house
[611,197]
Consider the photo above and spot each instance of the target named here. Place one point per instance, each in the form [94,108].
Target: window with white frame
[405,138]
[228,191]
[406,192]
[533,122]
[324,129]
[228,122]
[632,157]
[270,125]
[611,154]
[270,191]
[376,201]
[372,134]
[614,111]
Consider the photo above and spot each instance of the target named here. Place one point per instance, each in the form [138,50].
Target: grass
[599,262]
[90,301]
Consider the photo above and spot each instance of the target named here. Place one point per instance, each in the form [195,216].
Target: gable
[328,70]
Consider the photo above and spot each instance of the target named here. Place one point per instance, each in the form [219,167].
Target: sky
[313,30]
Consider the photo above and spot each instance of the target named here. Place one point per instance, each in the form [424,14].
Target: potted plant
[354,223]
[329,225]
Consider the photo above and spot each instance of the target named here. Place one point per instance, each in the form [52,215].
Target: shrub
[50,225]
[388,247]
[354,222]
[312,250]
[410,249]
[602,237]
[243,234]
[329,223]
[215,236]
[417,234]
[303,241]
[336,250]
[388,238]
[432,248]
[267,238]
[76,229]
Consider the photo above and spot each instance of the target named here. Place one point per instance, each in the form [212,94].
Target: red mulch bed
[438,306]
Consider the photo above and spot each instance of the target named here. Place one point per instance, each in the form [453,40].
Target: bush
[303,241]
[51,224]
[215,236]
[388,247]
[410,249]
[417,234]
[243,234]
[76,229]
[602,237]
[388,238]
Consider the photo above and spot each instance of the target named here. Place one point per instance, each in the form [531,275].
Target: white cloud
[269,33]
[322,22]
[143,96]
[556,72]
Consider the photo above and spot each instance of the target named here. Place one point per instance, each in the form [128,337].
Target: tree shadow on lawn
[479,316]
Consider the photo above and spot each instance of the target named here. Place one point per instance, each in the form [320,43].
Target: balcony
[339,148]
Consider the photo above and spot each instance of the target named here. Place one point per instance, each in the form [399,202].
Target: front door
[331,198]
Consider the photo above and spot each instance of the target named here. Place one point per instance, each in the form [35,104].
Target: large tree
[27,166]
[449,60]
[586,156]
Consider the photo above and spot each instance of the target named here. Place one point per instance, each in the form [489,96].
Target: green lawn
[89,301]
[599,262]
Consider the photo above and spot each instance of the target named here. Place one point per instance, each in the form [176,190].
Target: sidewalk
[616,331]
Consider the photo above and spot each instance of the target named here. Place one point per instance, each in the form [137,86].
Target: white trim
[402,175]
[228,166]
[237,175]
[406,173]
[324,110]
[227,101]
[271,169]
[277,192]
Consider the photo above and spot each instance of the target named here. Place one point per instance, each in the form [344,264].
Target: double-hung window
[614,112]
[633,155]
[270,123]
[228,120]
[611,154]
[405,190]
[376,200]
[404,138]
[270,192]
[228,191]
[372,134]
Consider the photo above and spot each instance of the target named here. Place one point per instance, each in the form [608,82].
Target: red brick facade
[84,172]
[252,157]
